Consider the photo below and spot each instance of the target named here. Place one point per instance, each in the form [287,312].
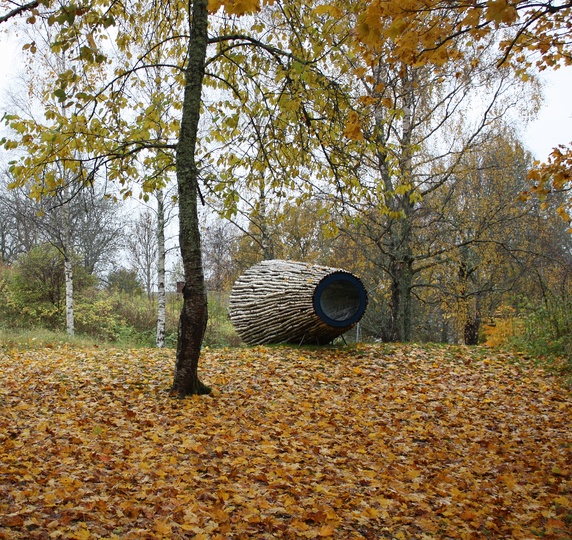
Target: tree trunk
[70,319]
[194,314]
[402,236]
[471,331]
[472,322]
[68,264]
[400,265]
[161,300]
[401,306]
[265,239]
[469,312]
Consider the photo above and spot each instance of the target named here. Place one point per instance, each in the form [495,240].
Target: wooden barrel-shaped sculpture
[280,301]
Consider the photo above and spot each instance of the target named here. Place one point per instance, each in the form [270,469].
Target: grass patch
[18,338]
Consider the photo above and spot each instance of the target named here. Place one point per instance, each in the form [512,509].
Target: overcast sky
[552,127]
[554,123]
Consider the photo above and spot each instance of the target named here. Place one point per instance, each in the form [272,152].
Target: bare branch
[19,10]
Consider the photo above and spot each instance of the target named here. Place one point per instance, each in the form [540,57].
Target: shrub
[99,319]
[220,332]
[546,332]
[550,328]
[106,315]
[22,306]
[124,281]
[32,292]
[39,277]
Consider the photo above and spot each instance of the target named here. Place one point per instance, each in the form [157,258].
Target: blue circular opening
[340,299]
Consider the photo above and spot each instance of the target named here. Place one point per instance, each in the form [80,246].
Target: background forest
[413,176]
[485,264]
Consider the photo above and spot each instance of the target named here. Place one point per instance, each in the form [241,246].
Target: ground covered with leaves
[372,442]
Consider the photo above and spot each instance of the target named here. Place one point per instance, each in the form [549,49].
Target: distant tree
[97,223]
[83,225]
[124,280]
[220,241]
[36,287]
[98,226]
[142,248]
[304,232]
[411,134]
[19,232]
[524,36]
[488,222]
[9,245]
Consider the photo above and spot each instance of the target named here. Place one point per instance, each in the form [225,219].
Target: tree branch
[20,9]
[250,41]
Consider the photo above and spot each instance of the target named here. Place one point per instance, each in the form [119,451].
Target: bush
[23,307]
[32,292]
[546,332]
[117,316]
[39,277]
[29,301]
[220,331]
[98,319]
[124,281]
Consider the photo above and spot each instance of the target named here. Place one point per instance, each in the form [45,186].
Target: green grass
[220,333]
[17,338]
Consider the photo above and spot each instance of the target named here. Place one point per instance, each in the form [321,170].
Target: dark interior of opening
[340,299]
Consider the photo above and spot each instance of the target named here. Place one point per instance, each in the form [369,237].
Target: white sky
[9,61]
[552,127]
[554,123]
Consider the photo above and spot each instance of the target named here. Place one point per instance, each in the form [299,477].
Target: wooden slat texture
[272,302]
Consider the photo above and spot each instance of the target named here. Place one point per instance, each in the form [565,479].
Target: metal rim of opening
[340,299]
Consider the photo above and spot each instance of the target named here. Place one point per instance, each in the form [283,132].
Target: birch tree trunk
[265,239]
[68,264]
[70,318]
[161,300]
[194,314]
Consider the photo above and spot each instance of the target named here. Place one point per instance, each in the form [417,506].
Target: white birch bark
[161,296]
[70,316]
[68,265]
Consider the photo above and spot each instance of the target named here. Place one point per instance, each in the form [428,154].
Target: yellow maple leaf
[162,527]
[214,5]
[472,17]
[370,512]
[328,9]
[368,100]
[500,11]
[353,128]
[81,534]
[326,530]
[241,7]
[509,480]
[370,23]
